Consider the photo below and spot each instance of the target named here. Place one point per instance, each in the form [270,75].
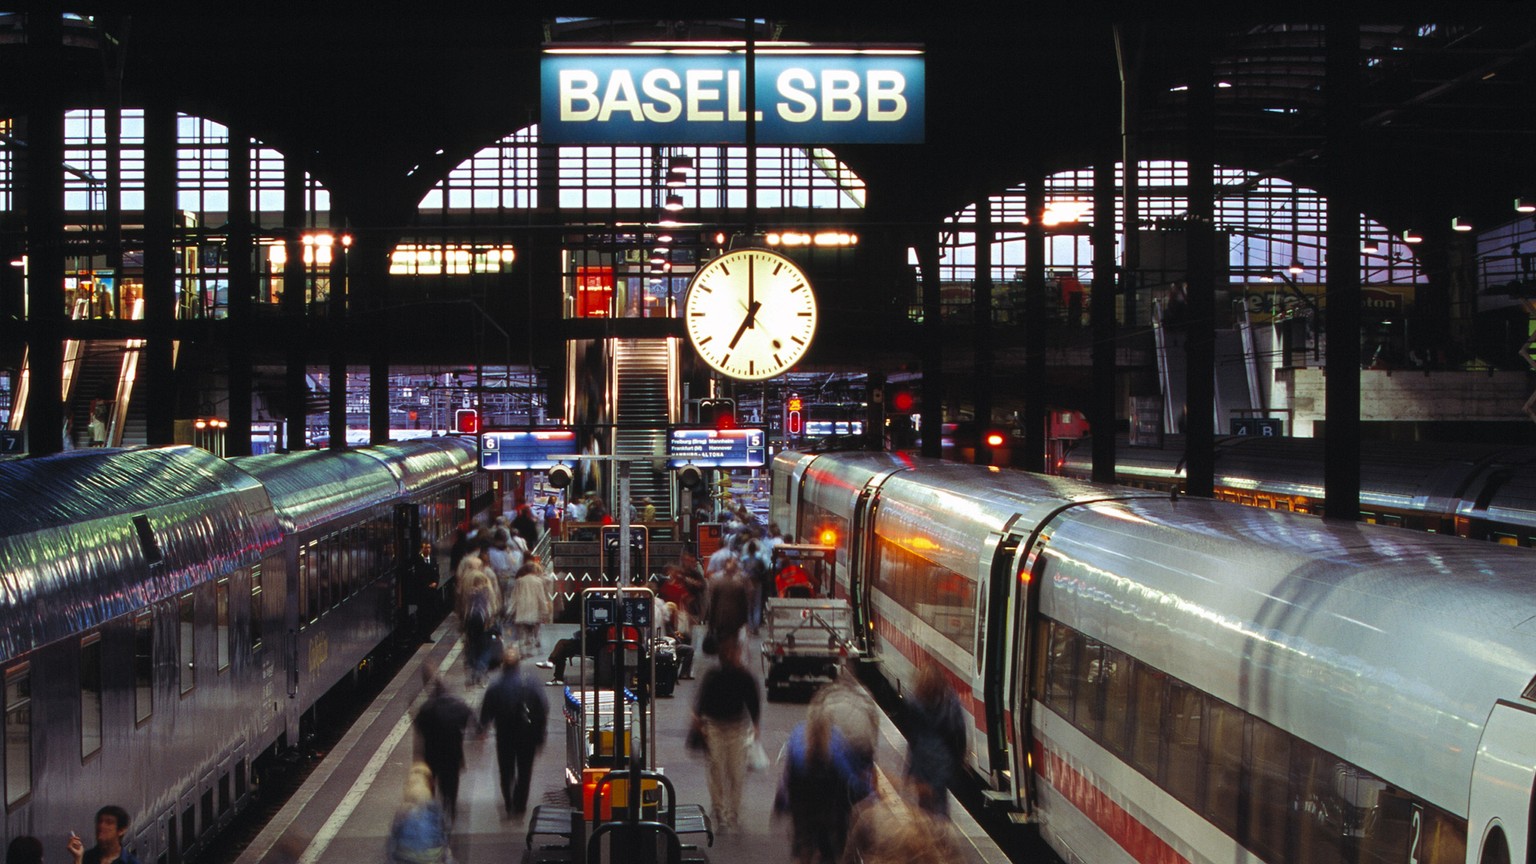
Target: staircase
[642,388]
[97,374]
[1238,391]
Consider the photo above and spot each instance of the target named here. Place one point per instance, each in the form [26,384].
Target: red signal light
[793,424]
[466,421]
[902,401]
[995,439]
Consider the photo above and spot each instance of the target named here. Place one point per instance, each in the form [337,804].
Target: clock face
[750,314]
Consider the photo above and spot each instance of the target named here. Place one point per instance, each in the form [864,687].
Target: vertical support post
[1200,254]
[161,233]
[622,505]
[295,291]
[1341,439]
[1034,325]
[336,324]
[981,342]
[1102,317]
[932,346]
[239,250]
[43,174]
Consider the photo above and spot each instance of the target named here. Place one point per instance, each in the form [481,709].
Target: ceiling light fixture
[1295,267]
[674,203]
[1412,236]
[1525,204]
[1459,224]
[1371,247]
[680,165]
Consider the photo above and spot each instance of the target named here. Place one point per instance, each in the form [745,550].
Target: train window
[188,828]
[143,666]
[18,734]
[320,563]
[186,640]
[1060,657]
[1224,763]
[90,695]
[1181,776]
[1088,692]
[224,801]
[258,608]
[207,808]
[1323,822]
[221,605]
[240,779]
[1146,731]
[1268,801]
[1117,699]
[311,583]
[1506,539]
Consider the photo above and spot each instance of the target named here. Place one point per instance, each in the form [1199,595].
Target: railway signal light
[466,421]
[717,413]
[794,419]
[560,477]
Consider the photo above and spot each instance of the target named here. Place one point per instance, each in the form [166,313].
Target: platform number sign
[10,441]
[1416,836]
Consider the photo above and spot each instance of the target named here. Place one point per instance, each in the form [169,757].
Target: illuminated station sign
[695,93]
[526,449]
[717,448]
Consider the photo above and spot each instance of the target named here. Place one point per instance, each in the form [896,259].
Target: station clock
[750,314]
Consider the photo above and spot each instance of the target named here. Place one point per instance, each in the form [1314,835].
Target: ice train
[1169,680]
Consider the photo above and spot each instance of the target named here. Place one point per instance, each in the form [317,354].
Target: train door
[1503,778]
[993,658]
[860,566]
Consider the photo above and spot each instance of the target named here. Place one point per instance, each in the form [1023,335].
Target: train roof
[312,487]
[89,535]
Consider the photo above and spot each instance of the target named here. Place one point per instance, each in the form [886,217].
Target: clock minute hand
[746,322]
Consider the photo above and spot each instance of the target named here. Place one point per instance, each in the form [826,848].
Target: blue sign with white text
[700,98]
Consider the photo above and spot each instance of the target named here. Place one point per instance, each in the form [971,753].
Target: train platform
[343,810]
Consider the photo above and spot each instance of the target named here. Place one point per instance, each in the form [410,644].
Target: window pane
[1146,732]
[1116,674]
[221,602]
[1182,772]
[1320,835]
[1088,713]
[1269,767]
[257,608]
[18,735]
[1060,655]
[1224,770]
[186,645]
[90,695]
[143,666]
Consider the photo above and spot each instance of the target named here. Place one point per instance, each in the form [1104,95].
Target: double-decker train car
[1482,491]
[1150,679]
[168,618]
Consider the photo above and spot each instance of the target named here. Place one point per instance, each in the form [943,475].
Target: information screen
[718,448]
[525,450]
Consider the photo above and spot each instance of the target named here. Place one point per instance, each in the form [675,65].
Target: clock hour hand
[746,322]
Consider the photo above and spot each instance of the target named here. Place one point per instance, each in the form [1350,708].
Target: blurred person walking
[441,722]
[935,739]
[516,706]
[419,832]
[726,713]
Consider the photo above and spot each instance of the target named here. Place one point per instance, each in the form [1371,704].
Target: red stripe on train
[1139,841]
[918,656]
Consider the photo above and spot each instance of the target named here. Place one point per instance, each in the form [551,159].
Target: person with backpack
[516,706]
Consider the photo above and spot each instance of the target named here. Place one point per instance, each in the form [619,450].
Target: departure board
[525,450]
[718,448]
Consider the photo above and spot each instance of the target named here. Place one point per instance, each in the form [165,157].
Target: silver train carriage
[1190,680]
[147,599]
[1483,491]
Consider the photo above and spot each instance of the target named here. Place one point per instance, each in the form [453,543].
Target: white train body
[1159,680]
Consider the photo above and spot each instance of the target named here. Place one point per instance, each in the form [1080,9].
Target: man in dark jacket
[516,704]
[725,607]
[441,723]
